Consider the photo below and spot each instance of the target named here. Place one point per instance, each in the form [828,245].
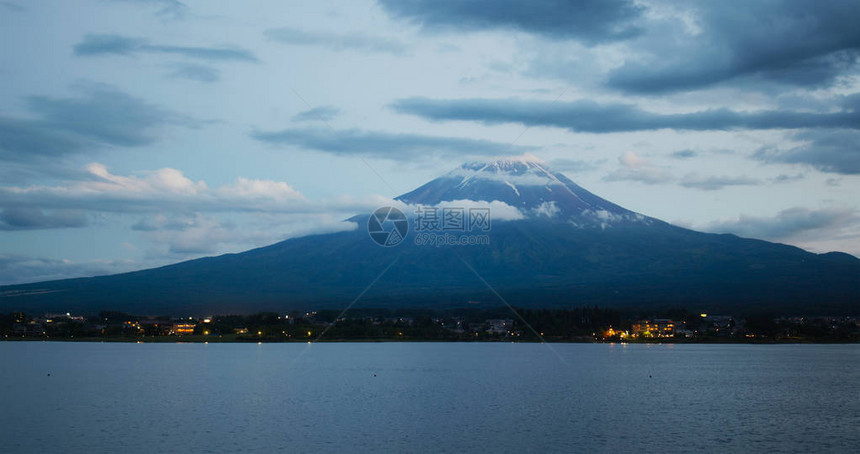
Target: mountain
[523,183]
[550,243]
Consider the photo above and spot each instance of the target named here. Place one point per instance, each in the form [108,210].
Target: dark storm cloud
[795,42]
[828,151]
[100,116]
[335,41]
[104,115]
[31,218]
[26,139]
[321,113]
[382,144]
[94,45]
[589,116]
[588,21]
[786,223]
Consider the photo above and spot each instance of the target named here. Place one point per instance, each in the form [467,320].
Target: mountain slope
[570,248]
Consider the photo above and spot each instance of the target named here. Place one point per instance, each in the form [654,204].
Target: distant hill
[567,247]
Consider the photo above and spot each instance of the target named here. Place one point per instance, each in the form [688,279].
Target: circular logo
[387,226]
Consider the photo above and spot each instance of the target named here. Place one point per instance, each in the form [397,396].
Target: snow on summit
[525,183]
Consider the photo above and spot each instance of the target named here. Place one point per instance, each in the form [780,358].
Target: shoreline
[210,340]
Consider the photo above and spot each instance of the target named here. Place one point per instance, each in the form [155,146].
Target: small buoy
[49,375]
[649,376]
[373,375]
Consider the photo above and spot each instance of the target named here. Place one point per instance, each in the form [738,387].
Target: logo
[387,226]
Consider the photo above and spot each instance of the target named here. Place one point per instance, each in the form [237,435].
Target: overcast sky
[144,132]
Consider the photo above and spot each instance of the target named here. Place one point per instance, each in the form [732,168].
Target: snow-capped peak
[523,182]
[513,165]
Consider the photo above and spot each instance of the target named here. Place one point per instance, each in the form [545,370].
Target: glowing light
[703,315]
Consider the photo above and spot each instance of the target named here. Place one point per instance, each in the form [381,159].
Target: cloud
[588,21]
[828,151]
[20,269]
[168,9]
[575,165]
[589,116]
[193,234]
[104,115]
[167,190]
[712,183]
[32,218]
[158,190]
[695,45]
[22,139]
[108,44]
[101,116]
[199,73]
[321,113]
[684,154]
[336,41]
[632,167]
[787,223]
[499,211]
[669,46]
[783,178]
[13,7]
[398,147]
[186,235]
[171,237]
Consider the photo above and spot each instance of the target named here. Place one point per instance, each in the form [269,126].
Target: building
[499,325]
[182,328]
[613,333]
[719,321]
[658,327]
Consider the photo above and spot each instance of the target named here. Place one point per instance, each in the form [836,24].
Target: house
[182,328]
[658,327]
[499,325]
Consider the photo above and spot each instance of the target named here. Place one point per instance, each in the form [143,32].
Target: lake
[427,397]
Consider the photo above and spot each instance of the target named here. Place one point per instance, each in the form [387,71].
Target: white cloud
[632,167]
[499,211]
[548,209]
[245,188]
[818,230]
[159,190]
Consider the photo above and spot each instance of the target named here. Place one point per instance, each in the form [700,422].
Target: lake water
[427,397]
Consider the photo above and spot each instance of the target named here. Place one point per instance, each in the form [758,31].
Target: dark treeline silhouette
[588,323]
